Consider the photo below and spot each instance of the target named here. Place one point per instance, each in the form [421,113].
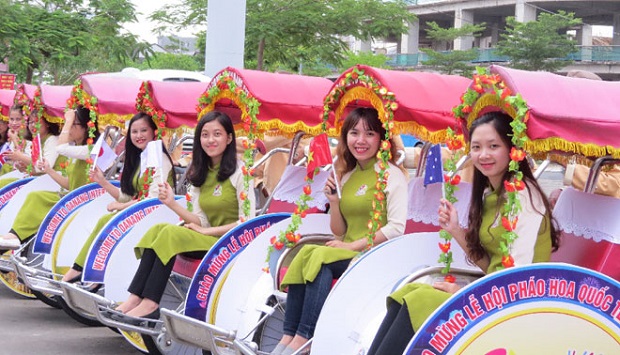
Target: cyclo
[257,102]
[544,298]
[245,315]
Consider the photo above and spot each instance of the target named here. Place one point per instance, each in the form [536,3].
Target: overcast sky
[143,28]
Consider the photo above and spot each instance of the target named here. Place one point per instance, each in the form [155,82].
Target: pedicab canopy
[25,96]
[171,104]
[554,113]
[417,103]
[7,97]
[50,102]
[111,100]
[260,102]
[282,103]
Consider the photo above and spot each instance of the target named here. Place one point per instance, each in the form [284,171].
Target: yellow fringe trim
[225,94]
[409,127]
[277,127]
[486,100]
[4,118]
[53,119]
[358,93]
[541,146]
[113,119]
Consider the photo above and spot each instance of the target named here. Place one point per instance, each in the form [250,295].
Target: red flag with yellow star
[319,154]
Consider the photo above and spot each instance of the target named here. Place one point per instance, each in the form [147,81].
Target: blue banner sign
[59,214]
[219,257]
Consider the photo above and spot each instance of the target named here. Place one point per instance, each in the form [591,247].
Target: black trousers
[394,333]
[152,275]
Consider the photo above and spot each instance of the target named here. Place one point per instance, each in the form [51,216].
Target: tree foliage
[294,32]
[172,61]
[365,58]
[455,61]
[64,38]
[537,45]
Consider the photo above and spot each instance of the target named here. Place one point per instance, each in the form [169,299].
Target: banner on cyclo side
[112,233]
[59,214]
[7,192]
[538,309]
[213,267]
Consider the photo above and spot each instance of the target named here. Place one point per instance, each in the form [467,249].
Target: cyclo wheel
[11,280]
[269,333]
[37,260]
[86,320]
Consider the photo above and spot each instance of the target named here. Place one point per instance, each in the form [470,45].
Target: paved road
[29,327]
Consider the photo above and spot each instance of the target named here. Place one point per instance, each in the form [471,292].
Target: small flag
[434,168]
[102,155]
[151,157]
[35,153]
[3,150]
[319,154]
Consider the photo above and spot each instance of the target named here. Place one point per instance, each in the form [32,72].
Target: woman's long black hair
[201,162]
[132,157]
[501,123]
[82,114]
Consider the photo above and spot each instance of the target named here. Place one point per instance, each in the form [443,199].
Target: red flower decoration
[508,261]
[517,154]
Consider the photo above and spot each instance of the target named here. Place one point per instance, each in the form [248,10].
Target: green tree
[539,45]
[294,32]
[172,61]
[61,39]
[366,58]
[454,61]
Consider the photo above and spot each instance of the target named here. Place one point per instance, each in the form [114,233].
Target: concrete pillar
[584,39]
[410,42]
[225,35]
[524,12]
[494,34]
[616,30]
[463,17]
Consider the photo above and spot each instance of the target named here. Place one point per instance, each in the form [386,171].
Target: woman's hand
[21,166]
[69,117]
[166,195]
[43,165]
[340,244]
[115,206]
[96,175]
[330,190]
[196,228]
[448,218]
[13,136]
[448,287]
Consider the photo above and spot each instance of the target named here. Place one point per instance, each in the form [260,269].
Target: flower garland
[37,106]
[289,236]
[450,186]
[226,87]
[79,97]
[144,103]
[147,179]
[357,85]
[489,90]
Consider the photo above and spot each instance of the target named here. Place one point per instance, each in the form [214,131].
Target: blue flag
[434,168]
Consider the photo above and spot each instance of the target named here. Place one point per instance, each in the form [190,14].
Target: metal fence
[610,54]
